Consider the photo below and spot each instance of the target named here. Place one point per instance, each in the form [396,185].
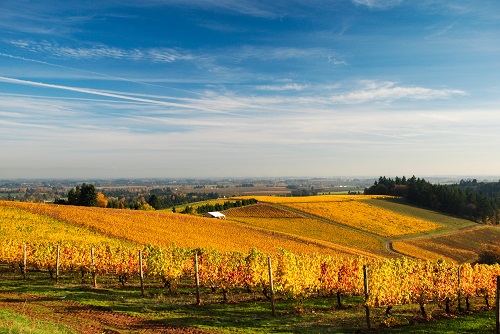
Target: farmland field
[366,218]
[261,210]
[398,206]
[164,229]
[460,246]
[317,230]
[314,199]
[268,227]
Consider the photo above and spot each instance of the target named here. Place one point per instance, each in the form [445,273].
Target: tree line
[135,199]
[224,206]
[478,201]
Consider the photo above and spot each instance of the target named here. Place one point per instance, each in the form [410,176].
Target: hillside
[378,226]
[313,227]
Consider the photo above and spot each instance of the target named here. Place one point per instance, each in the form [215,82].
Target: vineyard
[261,210]
[460,246]
[313,199]
[357,242]
[164,228]
[36,238]
[366,218]
[384,283]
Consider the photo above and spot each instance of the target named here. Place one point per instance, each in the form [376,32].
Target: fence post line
[271,285]
[58,259]
[141,273]
[94,273]
[197,279]
[365,281]
[497,310]
[24,261]
[459,297]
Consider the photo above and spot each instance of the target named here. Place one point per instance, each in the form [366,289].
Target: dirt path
[83,318]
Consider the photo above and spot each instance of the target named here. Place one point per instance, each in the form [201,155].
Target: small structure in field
[215,214]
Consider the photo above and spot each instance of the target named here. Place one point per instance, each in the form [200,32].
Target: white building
[215,214]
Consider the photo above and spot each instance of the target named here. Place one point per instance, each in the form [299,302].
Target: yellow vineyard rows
[461,246]
[165,229]
[317,230]
[366,217]
[417,252]
[260,210]
[314,199]
[25,226]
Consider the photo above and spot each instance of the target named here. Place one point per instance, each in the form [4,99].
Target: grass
[245,313]
[483,322]
[12,322]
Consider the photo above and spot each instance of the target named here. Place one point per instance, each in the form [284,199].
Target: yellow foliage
[315,229]
[366,217]
[102,200]
[162,228]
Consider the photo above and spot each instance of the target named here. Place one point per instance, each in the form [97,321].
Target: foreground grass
[483,322]
[246,312]
[12,322]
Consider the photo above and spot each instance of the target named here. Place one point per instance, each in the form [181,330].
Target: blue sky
[220,88]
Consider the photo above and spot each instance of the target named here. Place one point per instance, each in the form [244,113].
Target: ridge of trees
[473,200]
[161,199]
[225,206]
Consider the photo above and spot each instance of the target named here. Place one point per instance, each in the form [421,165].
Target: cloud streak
[112,95]
[100,51]
[378,4]
[386,91]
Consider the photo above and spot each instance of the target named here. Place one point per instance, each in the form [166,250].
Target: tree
[155,202]
[102,200]
[86,195]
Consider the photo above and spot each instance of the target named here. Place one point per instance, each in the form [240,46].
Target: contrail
[114,95]
[95,73]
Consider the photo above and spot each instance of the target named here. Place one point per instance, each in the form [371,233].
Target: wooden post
[271,285]
[24,261]
[58,259]
[497,310]
[141,273]
[94,272]
[197,279]
[459,294]
[367,309]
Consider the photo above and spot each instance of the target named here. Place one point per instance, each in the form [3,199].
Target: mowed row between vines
[330,224]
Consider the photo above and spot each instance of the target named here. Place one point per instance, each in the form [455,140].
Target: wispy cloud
[290,86]
[111,95]
[378,4]
[100,51]
[380,91]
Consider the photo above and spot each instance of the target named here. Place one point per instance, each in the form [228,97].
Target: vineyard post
[24,261]
[459,290]
[197,279]
[58,258]
[271,285]
[497,311]
[94,273]
[141,273]
[367,309]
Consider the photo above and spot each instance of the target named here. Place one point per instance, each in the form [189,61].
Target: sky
[248,88]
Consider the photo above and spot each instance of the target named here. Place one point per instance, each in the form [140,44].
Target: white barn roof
[216,214]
